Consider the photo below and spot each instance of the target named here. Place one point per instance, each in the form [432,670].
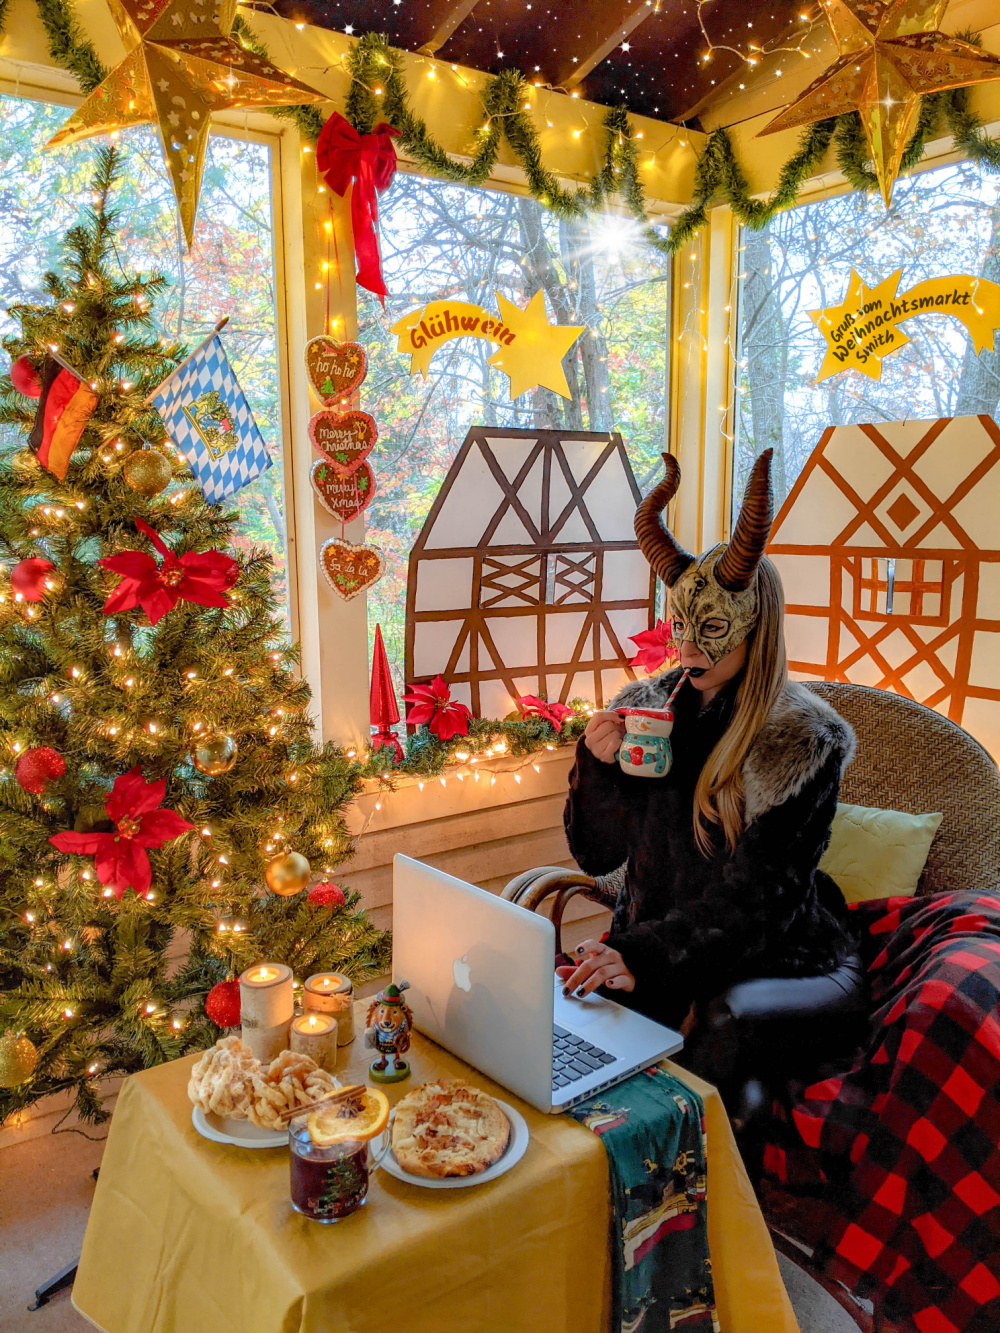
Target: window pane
[230,270]
[442,241]
[942,222]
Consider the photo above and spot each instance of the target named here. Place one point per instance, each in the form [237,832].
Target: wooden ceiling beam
[605,25]
[446,15]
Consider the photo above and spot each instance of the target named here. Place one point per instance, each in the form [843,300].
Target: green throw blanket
[653,1127]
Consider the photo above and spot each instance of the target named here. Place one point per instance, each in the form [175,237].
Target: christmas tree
[169,755]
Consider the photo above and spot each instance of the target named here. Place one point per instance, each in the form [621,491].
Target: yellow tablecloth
[187,1236]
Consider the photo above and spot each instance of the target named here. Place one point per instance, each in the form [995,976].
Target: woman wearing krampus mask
[722,883]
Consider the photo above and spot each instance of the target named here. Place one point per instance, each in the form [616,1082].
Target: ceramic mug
[645,748]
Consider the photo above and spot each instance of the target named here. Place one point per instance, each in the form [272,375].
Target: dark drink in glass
[328,1181]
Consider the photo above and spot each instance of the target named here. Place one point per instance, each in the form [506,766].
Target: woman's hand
[598,966]
[603,736]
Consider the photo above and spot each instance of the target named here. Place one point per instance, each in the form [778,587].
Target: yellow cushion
[877,853]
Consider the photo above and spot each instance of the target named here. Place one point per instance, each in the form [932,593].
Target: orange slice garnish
[330,1124]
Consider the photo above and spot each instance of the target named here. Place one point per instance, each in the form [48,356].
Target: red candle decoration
[382,707]
[28,577]
[36,768]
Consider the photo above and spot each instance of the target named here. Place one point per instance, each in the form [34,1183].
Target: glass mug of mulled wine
[645,749]
[329,1181]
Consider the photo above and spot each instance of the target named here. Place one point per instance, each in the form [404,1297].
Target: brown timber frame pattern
[553,577]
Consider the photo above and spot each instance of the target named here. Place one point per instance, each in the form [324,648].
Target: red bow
[343,155]
[434,705]
[120,858]
[200,577]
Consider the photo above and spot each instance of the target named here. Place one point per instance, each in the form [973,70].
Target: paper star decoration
[891,54]
[535,356]
[181,66]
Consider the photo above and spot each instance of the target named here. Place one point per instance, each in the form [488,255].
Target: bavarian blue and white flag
[209,419]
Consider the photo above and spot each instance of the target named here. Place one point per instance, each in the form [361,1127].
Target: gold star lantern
[891,54]
[181,66]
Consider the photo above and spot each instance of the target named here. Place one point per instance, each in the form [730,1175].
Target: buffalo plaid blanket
[904,1145]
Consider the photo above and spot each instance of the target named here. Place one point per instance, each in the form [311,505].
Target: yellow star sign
[181,66]
[861,330]
[534,355]
[864,328]
[530,349]
[891,54]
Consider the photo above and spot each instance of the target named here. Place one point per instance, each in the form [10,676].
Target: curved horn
[668,558]
[738,562]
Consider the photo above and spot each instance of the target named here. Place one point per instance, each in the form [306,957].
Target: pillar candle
[332,993]
[266,1009]
[315,1034]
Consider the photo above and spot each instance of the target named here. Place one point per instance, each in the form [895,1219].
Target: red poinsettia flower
[434,705]
[532,706]
[196,576]
[656,646]
[120,858]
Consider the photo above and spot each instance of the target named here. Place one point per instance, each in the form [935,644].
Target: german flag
[64,408]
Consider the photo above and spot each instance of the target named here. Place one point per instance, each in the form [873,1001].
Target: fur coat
[689,926]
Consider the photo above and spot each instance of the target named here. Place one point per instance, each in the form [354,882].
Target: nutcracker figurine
[388,1026]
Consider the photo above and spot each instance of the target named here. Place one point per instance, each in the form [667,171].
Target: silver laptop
[482,984]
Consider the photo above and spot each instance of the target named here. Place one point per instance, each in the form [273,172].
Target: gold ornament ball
[18,1058]
[147,471]
[287,874]
[214,754]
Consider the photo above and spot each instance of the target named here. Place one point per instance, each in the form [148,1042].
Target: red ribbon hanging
[343,155]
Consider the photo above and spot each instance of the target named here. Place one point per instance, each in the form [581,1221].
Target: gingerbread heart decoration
[343,495]
[335,369]
[345,439]
[350,569]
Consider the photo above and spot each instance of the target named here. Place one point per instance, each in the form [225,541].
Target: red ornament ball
[36,768]
[222,1004]
[24,378]
[326,895]
[28,578]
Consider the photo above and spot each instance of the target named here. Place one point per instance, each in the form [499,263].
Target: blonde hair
[719,796]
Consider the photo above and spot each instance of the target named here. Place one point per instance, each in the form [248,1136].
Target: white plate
[240,1133]
[517,1146]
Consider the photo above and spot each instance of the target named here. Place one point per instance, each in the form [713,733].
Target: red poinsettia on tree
[203,577]
[531,706]
[656,646]
[433,704]
[120,858]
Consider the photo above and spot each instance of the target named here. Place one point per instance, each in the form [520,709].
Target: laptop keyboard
[573,1058]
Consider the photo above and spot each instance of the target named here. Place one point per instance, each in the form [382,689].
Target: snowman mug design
[645,748]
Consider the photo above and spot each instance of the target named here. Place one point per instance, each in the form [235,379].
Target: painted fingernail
[565,990]
[579,992]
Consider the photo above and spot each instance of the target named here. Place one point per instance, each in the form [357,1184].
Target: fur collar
[800,735]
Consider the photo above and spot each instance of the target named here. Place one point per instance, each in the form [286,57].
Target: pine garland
[378,91]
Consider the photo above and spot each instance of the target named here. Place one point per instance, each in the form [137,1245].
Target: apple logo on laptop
[462,973]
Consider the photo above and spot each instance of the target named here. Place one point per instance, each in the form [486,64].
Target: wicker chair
[908,758]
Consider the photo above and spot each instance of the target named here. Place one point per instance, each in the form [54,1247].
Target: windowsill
[498,781]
